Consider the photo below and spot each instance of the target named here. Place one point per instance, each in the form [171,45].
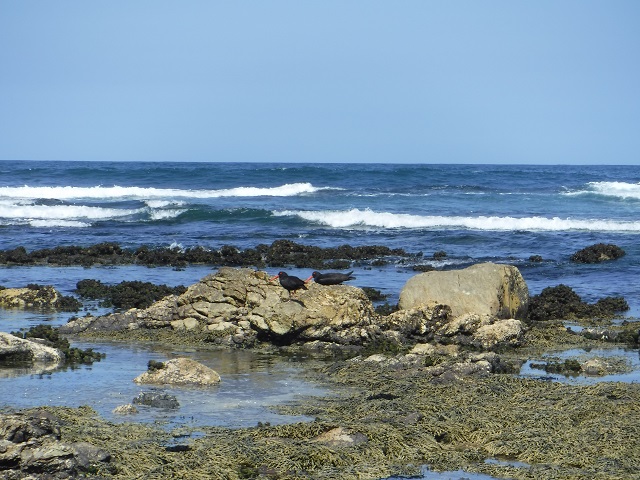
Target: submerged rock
[126,409]
[157,400]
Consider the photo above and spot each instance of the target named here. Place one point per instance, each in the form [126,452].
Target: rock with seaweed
[38,297]
[50,336]
[385,420]
[600,252]
[279,254]
[15,350]
[179,371]
[561,302]
[126,294]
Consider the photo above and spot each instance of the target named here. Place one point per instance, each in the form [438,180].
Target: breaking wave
[369,218]
[622,190]
[117,192]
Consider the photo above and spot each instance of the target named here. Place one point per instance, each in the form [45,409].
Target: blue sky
[537,82]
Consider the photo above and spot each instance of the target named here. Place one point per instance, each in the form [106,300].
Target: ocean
[473,213]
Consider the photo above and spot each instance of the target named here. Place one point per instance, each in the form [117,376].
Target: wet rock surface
[157,400]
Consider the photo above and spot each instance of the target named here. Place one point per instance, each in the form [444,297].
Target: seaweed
[127,294]
[51,336]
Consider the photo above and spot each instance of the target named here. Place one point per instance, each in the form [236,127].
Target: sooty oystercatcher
[331,278]
[289,282]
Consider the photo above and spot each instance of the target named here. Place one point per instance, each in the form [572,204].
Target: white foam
[369,218]
[117,192]
[61,212]
[165,214]
[58,223]
[163,203]
[622,190]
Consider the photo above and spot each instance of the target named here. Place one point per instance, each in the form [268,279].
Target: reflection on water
[630,357]
[251,383]
[428,474]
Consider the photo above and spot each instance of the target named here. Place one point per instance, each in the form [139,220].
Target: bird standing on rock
[289,282]
[331,278]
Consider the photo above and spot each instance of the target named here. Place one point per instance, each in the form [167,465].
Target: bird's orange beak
[308,279]
[273,278]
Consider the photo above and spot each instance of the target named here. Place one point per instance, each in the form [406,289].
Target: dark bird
[289,282]
[331,278]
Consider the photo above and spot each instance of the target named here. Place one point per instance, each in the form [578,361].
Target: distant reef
[279,253]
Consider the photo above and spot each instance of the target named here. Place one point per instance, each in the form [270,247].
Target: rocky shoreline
[430,383]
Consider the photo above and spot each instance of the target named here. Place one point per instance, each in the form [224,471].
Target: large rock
[180,371]
[485,289]
[236,306]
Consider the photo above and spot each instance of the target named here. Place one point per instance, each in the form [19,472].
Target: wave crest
[118,192]
[623,190]
[367,218]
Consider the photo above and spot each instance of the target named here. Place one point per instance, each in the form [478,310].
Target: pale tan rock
[180,371]
[341,437]
[127,409]
[503,332]
[14,347]
[484,289]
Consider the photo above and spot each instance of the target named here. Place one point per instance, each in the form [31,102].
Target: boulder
[485,289]
[502,333]
[180,371]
